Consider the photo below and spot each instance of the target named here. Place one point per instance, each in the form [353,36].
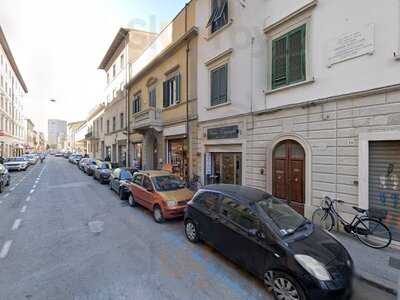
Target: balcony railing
[146,119]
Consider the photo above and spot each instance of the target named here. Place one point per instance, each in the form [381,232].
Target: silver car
[16,164]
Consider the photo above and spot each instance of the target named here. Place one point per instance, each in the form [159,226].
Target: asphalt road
[65,236]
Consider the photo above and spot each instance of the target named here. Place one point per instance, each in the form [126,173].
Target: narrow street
[65,236]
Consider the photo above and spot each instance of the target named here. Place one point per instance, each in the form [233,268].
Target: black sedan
[4,178]
[102,172]
[296,259]
[119,180]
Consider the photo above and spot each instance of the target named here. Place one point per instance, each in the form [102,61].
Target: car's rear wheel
[131,200]
[191,231]
[158,215]
[286,288]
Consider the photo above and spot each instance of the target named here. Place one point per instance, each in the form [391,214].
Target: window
[101,124]
[121,120]
[138,179]
[122,62]
[108,126]
[239,214]
[219,85]
[114,124]
[172,91]
[208,200]
[219,15]
[288,58]
[108,78]
[136,104]
[147,183]
[114,70]
[152,97]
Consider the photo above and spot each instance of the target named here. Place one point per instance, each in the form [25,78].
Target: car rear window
[208,200]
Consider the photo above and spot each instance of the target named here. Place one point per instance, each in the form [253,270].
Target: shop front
[177,161]
[223,167]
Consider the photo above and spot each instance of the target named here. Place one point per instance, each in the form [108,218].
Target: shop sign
[228,132]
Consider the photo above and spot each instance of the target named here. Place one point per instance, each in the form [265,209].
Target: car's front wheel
[122,195]
[191,231]
[158,215]
[131,200]
[286,288]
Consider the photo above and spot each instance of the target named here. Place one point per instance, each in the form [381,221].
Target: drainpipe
[187,100]
[128,123]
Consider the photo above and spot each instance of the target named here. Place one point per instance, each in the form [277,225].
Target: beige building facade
[163,99]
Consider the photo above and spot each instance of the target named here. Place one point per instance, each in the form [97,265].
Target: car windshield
[125,175]
[105,166]
[282,215]
[168,183]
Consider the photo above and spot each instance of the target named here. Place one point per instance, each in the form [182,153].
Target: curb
[377,285]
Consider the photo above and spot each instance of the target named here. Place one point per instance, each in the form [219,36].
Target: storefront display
[223,168]
[176,157]
[137,160]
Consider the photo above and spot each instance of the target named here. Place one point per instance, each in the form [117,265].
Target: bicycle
[195,184]
[369,230]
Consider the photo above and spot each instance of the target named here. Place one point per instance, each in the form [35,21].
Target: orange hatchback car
[161,192]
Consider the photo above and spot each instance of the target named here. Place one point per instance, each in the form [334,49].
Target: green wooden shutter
[178,88]
[214,91]
[296,55]
[165,94]
[223,84]
[279,62]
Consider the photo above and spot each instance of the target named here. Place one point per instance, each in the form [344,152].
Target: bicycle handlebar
[334,200]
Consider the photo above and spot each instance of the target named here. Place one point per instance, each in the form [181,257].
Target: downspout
[128,125]
[187,100]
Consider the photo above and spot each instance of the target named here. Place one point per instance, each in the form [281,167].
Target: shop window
[172,91]
[219,15]
[219,85]
[288,58]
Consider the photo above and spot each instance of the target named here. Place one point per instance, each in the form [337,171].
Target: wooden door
[288,174]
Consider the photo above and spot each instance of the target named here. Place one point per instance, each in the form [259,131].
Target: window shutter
[165,94]
[223,84]
[296,53]
[214,87]
[178,88]
[279,77]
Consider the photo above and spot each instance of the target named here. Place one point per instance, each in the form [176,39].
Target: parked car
[59,154]
[296,259]
[161,192]
[75,158]
[16,164]
[119,181]
[5,178]
[90,166]
[82,163]
[31,158]
[102,172]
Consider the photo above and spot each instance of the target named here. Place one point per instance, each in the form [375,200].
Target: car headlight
[314,267]
[171,203]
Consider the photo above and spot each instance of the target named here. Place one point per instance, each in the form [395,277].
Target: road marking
[6,195]
[34,186]
[28,199]
[16,224]
[5,249]
[23,209]
[32,191]
[13,188]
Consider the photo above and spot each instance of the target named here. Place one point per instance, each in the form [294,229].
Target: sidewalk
[379,267]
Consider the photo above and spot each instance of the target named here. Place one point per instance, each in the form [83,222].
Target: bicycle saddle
[360,210]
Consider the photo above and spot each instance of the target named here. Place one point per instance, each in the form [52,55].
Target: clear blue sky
[58,46]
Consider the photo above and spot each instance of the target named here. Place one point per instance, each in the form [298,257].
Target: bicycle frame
[337,217]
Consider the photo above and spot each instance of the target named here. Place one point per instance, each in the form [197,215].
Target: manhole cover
[96,226]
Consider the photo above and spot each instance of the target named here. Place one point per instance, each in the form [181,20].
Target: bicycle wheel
[373,233]
[323,218]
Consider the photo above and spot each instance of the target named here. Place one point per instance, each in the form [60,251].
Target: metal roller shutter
[384,182]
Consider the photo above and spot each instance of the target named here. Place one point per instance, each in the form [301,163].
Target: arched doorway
[288,180]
